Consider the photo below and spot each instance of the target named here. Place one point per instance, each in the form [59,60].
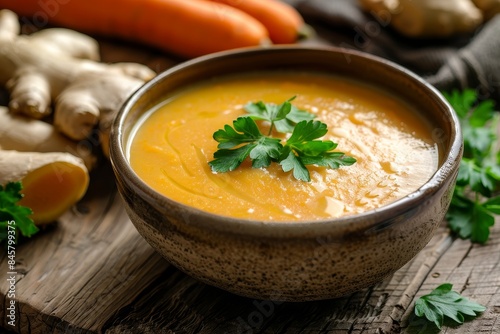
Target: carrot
[187,28]
[283,22]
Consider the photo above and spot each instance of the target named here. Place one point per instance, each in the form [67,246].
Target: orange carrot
[187,28]
[283,22]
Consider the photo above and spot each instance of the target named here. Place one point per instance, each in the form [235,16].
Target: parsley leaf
[331,160]
[266,150]
[292,162]
[443,303]
[10,194]
[244,139]
[462,101]
[229,137]
[482,114]
[493,205]
[306,131]
[476,177]
[470,219]
[228,160]
[309,151]
[261,149]
[283,116]
[473,208]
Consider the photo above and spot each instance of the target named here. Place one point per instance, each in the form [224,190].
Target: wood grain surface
[91,272]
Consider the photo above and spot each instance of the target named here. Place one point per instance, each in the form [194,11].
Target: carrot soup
[173,144]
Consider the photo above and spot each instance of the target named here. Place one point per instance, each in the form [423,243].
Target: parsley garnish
[283,116]
[443,303]
[244,139]
[14,216]
[473,206]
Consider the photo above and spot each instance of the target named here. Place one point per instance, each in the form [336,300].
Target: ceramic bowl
[291,261]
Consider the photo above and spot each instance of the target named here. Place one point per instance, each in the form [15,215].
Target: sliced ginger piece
[52,182]
[48,194]
[426,18]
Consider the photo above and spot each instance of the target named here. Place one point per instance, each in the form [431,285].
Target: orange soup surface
[395,154]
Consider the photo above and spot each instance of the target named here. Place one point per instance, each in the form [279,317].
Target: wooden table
[93,273]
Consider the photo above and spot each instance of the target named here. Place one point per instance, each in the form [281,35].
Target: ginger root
[45,162]
[432,18]
[53,169]
[62,100]
[59,68]
[52,182]
[24,134]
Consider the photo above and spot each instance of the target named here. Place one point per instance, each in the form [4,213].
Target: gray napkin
[468,61]
[476,66]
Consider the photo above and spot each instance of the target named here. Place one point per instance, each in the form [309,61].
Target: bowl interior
[351,64]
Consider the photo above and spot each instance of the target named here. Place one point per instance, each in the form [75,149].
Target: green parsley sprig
[244,139]
[444,303]
[475,203]
[283,116]
[14,218]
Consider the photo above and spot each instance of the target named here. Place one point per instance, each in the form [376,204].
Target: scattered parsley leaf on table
[474,204]
[244,139]
[10,194]
[443,303]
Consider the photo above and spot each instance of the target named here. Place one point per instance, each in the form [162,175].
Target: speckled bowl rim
[379,218]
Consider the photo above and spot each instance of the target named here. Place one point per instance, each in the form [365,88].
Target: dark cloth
[477,65]
[469,61]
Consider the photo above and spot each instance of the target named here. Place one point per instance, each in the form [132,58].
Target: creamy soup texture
[172,145]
